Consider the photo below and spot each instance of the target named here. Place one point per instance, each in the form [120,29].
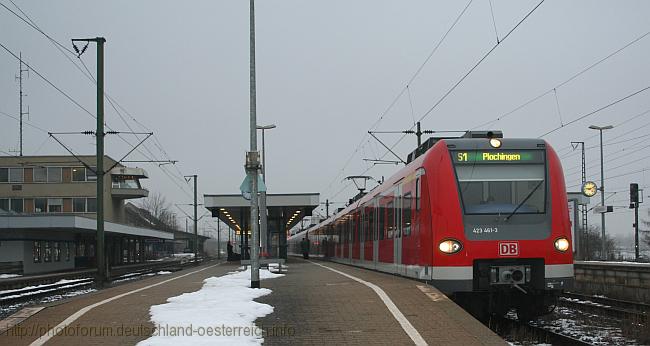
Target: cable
[26,123]
[596,111]
[399,95]
[584,70]
[478,63]
[89,75]
[48,82]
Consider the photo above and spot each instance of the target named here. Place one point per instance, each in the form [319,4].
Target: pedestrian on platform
[304,245]
[230,254]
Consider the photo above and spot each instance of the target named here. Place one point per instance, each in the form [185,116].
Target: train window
[390,221]
[500,189]
[406,214]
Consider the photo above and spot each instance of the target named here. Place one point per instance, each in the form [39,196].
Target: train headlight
[450,246]
[495,142]
[561,244]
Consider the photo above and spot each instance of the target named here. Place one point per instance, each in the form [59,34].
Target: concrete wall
[11,251]
[618,280]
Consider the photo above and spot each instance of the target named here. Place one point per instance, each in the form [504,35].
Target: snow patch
[221,312]
[163,272]
[9,276]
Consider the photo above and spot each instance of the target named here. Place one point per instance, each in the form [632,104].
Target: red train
[482,218]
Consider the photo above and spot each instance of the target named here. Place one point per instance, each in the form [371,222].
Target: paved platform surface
[312,306]
[316,306]
[124,321]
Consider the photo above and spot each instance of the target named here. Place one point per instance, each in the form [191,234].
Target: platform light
[495,142]
[561,244]
[222,209]
[450,246]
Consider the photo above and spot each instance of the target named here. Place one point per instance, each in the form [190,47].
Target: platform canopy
[286,209]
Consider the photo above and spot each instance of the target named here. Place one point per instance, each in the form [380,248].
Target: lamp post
[603,255]
[263,211]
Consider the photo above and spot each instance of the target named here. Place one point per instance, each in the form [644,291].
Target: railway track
[523,331]
[632,311]
[31,293]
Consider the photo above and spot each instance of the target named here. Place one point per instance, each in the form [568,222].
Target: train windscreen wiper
[524,201]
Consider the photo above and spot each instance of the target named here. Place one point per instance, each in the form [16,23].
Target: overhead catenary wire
[400,94]
[467,74]
[596,110]
[63,49]
[568,80]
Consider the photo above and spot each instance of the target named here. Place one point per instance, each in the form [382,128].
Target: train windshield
[501,187]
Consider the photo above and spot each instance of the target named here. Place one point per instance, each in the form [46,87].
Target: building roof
[290,208]
[72,222]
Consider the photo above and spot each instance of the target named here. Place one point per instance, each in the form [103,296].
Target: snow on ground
[221,312]
[163,272]
[9,276]
[181,255]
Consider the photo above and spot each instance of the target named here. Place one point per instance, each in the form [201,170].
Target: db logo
[509,249]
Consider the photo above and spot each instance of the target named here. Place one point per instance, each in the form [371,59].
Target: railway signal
[634,204]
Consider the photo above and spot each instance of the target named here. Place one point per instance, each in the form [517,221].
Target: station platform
[320,306]
[125,320]
[315,303]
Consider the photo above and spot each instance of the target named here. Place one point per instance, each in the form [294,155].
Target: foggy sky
[326,72]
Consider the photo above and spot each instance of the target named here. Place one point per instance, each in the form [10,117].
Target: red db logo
[509,249]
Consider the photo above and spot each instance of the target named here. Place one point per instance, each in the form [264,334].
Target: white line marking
[403,321]
[60,327]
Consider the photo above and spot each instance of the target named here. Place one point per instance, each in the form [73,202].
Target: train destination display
[498,156]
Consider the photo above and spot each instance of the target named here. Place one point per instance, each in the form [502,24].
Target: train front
[509,243]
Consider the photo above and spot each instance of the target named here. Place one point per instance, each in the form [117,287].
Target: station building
[48,214]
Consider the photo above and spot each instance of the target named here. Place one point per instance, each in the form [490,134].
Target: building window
[79,205]
[54,205]
[67,251]
[36,251]
[78,174]
[54,175]
[17,205]
[16,175]
[90,174]
[81,249]
[125,182]
[4,204]
[40,174]
[57,252]
[92,205]
[4,175]
[47,253]
[40,205]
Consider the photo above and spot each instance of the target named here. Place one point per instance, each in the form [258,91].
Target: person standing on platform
[230,253]
[304,245]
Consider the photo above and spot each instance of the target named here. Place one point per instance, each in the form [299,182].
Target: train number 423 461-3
[483,230]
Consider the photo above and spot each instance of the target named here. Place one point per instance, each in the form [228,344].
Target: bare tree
[594,241]
[159,212]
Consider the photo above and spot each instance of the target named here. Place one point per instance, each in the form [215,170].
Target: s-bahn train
[482,218]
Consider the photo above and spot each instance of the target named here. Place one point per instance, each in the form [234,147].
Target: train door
[397,233]
[362,233]
[375,241]
[369,222]
[351,232]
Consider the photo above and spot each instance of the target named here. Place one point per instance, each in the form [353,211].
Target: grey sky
[326,71]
